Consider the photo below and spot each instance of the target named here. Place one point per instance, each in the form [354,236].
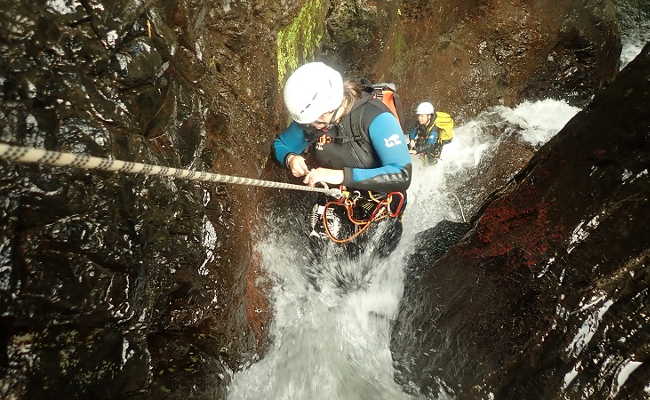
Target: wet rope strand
[84,161]
[460,206]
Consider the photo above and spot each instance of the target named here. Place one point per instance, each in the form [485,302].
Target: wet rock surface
[508,154]
[547,295]
[128,286]
[467,56]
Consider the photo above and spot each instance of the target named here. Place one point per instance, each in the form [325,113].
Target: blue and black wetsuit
[368,145]
[425,137]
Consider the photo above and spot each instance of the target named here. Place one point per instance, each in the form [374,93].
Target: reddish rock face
[466,56]
[545,295]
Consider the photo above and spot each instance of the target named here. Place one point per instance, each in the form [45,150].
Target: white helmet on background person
[424,108]
[312,90]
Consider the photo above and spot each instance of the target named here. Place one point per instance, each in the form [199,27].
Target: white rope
[83,161]
[460,206]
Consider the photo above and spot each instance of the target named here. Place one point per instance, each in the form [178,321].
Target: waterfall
[635,24]
[331,339]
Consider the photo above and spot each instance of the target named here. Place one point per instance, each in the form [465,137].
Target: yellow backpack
[445,124]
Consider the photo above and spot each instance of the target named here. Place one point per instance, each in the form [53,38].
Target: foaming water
[635,26]
[332,319]
[330,343]
[540,120]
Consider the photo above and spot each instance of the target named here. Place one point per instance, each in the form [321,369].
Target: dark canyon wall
[115,286]
[147,287]
[546,297]
[466,56]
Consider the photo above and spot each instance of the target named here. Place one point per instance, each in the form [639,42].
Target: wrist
[288,158]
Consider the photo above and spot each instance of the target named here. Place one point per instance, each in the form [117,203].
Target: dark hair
[351,92]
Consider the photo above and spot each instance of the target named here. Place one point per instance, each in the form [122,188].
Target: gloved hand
[297,165]
[326,175]
[411,144]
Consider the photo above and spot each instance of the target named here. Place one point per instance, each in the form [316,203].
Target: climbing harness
[84,161]
[378,208]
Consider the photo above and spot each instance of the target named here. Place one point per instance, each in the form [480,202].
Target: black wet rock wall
[546,296]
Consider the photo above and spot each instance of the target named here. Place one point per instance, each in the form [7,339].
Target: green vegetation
[399,44]
[400,54]
[298,42]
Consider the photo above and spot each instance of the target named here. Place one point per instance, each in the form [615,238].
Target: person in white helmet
[353,139]
[432,132]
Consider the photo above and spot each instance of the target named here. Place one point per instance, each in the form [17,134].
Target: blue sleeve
[292,140]
[389,143]
[433,136]
[413,133]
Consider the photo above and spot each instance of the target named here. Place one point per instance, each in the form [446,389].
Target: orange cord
[360,226]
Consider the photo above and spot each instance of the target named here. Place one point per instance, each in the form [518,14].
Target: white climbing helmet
[424,108]
[312,90]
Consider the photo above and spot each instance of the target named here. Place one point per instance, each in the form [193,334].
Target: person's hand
[326,175]
[412,151]
[412,144]
[297,165]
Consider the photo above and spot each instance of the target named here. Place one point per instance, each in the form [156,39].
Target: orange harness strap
[381,211]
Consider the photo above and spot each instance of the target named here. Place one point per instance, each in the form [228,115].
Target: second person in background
[432,132]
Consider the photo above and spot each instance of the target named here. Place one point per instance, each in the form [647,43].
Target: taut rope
[84,161]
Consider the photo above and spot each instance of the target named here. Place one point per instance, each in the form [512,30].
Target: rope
[380,212]
[84,161]
[460,206]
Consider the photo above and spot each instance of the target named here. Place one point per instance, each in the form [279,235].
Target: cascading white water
[635,29]
[334,343]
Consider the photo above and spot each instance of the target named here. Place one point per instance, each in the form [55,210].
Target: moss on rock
[298,41]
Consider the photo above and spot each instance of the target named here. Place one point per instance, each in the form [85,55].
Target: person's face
[423,119]
[323,122]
